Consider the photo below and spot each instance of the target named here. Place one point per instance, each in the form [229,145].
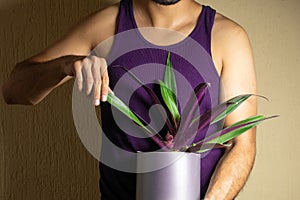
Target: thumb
[69,63]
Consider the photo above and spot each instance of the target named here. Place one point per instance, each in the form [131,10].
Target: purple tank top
[120,185]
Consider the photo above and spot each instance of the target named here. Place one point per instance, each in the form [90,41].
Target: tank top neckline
[181,42]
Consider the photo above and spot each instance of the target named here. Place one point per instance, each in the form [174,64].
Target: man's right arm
[33,79]
[30,81]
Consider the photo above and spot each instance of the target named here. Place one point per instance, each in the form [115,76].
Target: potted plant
[178,149]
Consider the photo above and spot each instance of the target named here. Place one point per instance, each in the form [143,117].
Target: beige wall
[41,156]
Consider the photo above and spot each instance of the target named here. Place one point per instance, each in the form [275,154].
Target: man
[33,79]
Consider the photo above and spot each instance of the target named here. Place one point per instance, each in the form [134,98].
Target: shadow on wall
[41,156]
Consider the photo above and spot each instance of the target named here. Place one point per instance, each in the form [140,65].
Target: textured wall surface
[41,156]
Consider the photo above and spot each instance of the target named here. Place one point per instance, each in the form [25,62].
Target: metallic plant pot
[168,176]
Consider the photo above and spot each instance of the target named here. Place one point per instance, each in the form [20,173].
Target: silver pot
[168,176]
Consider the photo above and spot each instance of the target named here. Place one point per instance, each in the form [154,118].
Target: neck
[150,14]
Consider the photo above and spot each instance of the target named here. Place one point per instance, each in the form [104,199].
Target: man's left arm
[238,77]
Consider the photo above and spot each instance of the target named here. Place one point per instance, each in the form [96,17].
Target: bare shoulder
[229,41]
[99,25]
[227,27]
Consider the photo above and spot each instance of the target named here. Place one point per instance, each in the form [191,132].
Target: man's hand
[91,75]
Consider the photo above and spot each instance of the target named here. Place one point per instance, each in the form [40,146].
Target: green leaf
[121,106]
[167,97]
[232,134]
[153,97]
[250,119]
[169,78]
[169,90]
[237,102]
[210,115]
[206,147]
[200,148]
[238,128]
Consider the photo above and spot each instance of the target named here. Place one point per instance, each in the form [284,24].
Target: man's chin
[166,2]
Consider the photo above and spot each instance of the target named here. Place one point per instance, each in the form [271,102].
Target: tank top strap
[203,29]
[125,20]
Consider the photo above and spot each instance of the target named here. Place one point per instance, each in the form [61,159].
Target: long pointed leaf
[206,147]
[122,107]
[168,99]
[233,131]
[249,119]
[153,96]
[227,134]
[183,134]
[191,107]
[203,122]
[206,118]
[238,100]
[169,78]
[240,124]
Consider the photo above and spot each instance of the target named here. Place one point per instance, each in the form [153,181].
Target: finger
[78,74]
[105,80]
[97,79]
[110,91]
[70,59]
[88,76]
